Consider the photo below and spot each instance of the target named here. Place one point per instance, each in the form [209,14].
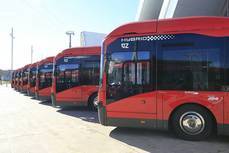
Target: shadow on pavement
[161,142]
[25,94]
[46,103]
[32,97]
[81,112]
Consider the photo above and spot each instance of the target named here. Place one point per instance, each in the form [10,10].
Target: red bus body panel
[76,96]
[226,109]
[45,92]
[210,26]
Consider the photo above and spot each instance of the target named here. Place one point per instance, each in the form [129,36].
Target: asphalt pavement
[29,126]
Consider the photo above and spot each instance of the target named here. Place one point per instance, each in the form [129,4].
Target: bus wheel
[92,102]
[192,122]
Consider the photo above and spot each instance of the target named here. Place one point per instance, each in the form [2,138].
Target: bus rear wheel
[192,122]
[92,102]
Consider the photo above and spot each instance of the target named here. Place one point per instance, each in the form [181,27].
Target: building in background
[91,38]
[162,9]
[5,75]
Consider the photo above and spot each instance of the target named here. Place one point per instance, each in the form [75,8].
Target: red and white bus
[24,78]
[167,74]
[76,77]
[44,79]
[32,79]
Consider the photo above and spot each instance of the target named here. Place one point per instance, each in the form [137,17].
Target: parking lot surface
[28,126]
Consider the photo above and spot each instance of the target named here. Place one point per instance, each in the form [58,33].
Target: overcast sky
[43,23]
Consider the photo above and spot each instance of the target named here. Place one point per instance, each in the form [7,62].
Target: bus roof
[93,50]
[33,65]
[212,26]
[19,69]
[46,60]
[26,66]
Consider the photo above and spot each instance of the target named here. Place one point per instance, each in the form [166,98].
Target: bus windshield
[128,73]
[45,75]
[76,70]
[25,77]
[32,77]
[17,76]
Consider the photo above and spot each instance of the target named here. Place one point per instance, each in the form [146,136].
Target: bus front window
[25,77]
[75,71]
[33,77]
[67,76]
[45,75]
[128,74]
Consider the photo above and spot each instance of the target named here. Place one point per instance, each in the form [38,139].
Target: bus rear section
[76,77]
[24,78]
[154,78]
[32,80]
[44,79]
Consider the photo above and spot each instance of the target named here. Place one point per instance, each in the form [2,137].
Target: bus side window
[90,73]
[197,67]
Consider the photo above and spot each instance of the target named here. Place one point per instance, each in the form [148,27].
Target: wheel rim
[192,123]
[95,101]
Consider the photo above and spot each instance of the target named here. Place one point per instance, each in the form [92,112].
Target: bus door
[131,79]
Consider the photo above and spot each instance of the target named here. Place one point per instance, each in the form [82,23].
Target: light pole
[70,34]
[31,54]
[12,48]
[12,53]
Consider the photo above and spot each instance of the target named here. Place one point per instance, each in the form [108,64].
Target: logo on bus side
[214,99]
[148,38]
[125,41]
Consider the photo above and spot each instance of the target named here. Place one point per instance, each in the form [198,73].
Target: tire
[192,122]
[91,104]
